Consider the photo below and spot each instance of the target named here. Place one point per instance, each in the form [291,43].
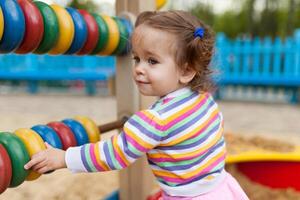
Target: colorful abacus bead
[81,31]
[18,155]
[123,37]
[93,33]
[66,30]
[14,26]
[129,28]
[114,36]
[48,135]
[1,23]
[5,169]
[51,28]
[34,144]
[34,27]
[103,34]
[78,131]
[64,133]
[90,127]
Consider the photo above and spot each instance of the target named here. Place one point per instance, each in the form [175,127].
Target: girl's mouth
[142,82]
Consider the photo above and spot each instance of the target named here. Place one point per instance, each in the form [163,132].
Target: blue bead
[78,131]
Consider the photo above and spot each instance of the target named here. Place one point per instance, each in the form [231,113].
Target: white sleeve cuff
[73,160]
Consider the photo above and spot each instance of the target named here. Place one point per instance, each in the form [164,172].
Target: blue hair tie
[199,32]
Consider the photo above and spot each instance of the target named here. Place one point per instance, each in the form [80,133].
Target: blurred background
[257,72]
[233,20]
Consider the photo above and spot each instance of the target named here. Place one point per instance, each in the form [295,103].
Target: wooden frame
[136,182]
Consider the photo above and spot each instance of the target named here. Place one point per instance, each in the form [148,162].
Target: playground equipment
[132,183]
[270,168]
[36,27]
[17,148]
[160,3]
[135,182]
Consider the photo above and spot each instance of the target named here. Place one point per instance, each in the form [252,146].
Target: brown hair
[194,51]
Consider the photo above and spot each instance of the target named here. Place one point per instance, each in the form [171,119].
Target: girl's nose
[139,70]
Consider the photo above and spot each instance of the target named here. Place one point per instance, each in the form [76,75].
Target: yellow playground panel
[160,4]
[273,166]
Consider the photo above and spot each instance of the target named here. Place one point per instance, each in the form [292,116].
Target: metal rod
[112,125]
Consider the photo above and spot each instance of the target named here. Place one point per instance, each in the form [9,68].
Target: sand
[277,121]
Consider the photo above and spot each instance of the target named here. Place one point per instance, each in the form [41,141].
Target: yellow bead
[1,24]
[113,36]
[66,30]
[33,143]
[90,127]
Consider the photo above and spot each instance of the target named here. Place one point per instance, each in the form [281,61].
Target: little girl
[182,132]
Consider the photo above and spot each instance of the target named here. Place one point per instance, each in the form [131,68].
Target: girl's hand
[47,160]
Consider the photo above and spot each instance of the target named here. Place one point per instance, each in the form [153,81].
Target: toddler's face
[154,71]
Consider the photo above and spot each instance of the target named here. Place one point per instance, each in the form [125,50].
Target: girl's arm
[141,133]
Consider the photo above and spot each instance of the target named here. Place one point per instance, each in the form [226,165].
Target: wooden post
[136,182]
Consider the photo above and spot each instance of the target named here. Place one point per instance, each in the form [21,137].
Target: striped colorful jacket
[182,136]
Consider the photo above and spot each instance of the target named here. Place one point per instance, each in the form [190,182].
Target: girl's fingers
[43,170]
[38,155]
[48,145]
[39,165]
[35,160]
[45,159]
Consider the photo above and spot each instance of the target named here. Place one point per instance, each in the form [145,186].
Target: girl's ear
[187,74]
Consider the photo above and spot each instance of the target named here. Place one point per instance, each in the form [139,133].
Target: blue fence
[45,67]
[259,62]
[35,68]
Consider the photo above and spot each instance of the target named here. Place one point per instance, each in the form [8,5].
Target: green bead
[103,33]
[18,156]
[51,28]
[123,37]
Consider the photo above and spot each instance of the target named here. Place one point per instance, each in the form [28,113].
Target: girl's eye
[136,59]
[152,61]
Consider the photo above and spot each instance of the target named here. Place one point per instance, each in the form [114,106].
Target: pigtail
[200,50]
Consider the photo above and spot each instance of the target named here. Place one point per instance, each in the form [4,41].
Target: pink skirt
[229,189]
